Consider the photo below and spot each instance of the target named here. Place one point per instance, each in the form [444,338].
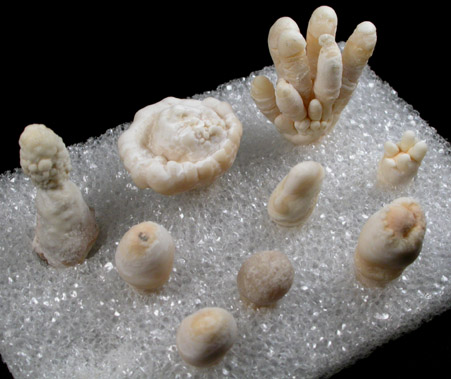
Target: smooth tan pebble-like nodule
[265,277]
[390,240]
[204,337]
[145,256]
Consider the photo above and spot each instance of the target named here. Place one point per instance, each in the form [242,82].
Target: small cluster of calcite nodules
[400,162]
[145,256]
[315,80]
[204,337]
[295,197]
[390,240]
[176,145]
[66,228]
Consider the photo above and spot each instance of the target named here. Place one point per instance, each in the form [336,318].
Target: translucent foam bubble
[87,322]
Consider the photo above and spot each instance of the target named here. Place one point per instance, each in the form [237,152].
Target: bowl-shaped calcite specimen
[177,145]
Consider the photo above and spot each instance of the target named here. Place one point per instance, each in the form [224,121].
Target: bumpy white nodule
[179,144]
[145,256]
[265,277]
[295,197]
[66,228]
[390,240]
[315,80]
[204,337]
[400,162]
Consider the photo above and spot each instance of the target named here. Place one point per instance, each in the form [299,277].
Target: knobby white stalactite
[66,227]
[315,79]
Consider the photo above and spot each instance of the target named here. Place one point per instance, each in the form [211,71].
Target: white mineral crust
[66,228]
[179,144]
[401,161]
[390,240]
[315,80]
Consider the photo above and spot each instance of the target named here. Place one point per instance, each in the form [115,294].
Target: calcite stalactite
[66,227]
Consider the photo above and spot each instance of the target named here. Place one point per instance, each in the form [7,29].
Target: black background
[81,70]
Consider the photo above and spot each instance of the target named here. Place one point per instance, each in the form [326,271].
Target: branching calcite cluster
[315,79]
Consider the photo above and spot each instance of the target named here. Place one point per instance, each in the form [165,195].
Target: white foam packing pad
[86,322]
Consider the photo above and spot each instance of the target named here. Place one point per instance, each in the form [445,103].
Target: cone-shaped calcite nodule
[145,255]
[390,240]
[204,337]
[265,277]
[66,227]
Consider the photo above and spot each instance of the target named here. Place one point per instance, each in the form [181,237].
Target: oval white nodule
[145,256]
[204,337]
[390,240]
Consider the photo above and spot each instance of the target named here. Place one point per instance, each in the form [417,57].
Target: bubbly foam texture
[86,321]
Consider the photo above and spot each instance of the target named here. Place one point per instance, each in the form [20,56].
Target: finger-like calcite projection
[390,240]
[263,93]
[281,25]
[204,337]
[315,80]
[401,161]
[176,145]
[66,228]
[322,21]
[295,197]
[357,51]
